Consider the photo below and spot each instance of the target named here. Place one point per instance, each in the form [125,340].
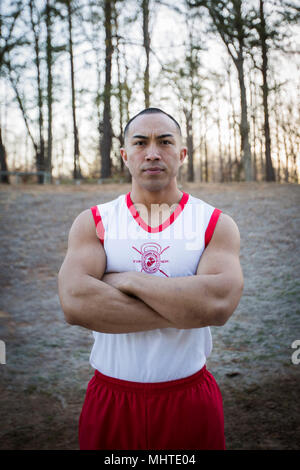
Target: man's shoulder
[226,231]
[82,226]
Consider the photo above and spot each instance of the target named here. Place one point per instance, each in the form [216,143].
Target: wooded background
[72,73]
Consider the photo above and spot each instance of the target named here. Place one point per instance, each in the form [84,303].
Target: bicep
[85,254]
[222,255]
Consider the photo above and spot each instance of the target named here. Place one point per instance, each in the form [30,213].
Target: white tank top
[172,249]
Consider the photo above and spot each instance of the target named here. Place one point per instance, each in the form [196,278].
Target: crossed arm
[134,301]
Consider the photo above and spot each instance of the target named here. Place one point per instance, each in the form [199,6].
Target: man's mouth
[153,170]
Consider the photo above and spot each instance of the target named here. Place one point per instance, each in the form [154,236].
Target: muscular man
[149,272]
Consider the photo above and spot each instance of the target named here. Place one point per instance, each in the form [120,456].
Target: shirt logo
[151,257]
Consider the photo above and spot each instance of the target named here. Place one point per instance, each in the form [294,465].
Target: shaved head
[150,111]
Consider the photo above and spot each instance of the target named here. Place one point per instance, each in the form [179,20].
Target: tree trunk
[190,144]
[228,28]
[244,126]
[236,162]
[106,139]
[292,150]
[23,111]
[49,86]
[201,147]
[98,101]
[205,149]
[262,154]
[146,37]
[270,174]
[230,126]
[253,111]
[128,93]
[121,110]
[40,163]
[286,172]
[3,162]
[120,90]
[278,143]
[76,155]
[220,151]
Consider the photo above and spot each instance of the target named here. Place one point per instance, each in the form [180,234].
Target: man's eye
[139,142]
[166,142]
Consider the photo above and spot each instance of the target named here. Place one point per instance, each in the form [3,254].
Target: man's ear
[124,155]
[183,154]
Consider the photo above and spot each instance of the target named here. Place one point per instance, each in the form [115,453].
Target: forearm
[189,302]
[97,306]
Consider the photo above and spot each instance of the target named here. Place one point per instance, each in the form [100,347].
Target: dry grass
[44,380]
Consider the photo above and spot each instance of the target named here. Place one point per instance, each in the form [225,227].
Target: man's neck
[155,207]
[167,197]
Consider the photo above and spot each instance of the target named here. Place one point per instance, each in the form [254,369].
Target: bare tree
[15,77]
[3,163]
[76,153]
[90,20]
[146,42]
[205,144]
[120,86]
[270,174]
[231,24]
[8,42]
[35,21]
[253,109]
[264,35]
[49,60]
[218,80]
[231,120]
[106,127]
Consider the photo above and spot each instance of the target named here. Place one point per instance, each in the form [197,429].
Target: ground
[44,379]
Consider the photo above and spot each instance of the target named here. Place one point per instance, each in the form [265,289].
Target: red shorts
[178,414]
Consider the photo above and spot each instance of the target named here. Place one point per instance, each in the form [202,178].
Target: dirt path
[44,379]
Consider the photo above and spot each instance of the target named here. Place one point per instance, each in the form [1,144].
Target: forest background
[72,73]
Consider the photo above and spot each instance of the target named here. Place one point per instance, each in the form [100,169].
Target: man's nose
[152,153]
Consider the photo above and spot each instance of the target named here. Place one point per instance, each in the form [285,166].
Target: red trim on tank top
[99,224]
[211,225]
[166,223]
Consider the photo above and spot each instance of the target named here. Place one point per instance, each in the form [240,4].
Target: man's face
[153,151]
